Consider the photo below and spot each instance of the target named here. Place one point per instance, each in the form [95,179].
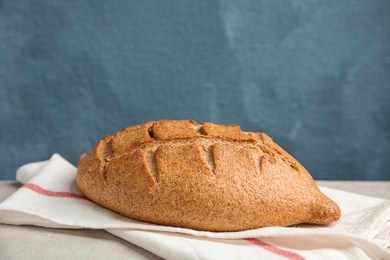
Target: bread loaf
[201,176]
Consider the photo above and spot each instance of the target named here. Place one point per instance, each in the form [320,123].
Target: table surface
[28,242]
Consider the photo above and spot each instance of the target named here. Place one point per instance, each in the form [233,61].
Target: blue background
[314,75]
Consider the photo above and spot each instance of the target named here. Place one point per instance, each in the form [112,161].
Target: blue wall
[314,75]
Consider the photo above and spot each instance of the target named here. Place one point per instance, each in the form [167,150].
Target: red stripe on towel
[274,249]
[59,194]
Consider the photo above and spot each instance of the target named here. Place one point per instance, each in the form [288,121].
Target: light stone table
[28,242]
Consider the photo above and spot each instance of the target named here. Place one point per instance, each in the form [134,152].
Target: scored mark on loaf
[150,132]
[107,149]
[104,171]
[257,160]
[151,165]
[208,156]
[199,128]
[107,152]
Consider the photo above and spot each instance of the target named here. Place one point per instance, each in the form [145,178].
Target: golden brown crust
[201,176]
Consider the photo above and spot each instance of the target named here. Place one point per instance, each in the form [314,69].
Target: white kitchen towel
[50,198]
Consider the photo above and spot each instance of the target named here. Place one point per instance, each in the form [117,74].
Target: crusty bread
[201,176]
